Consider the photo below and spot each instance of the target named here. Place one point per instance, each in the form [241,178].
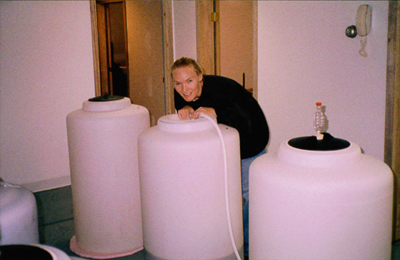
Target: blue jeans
[245,194]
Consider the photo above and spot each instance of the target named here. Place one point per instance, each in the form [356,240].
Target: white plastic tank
[102,140]
[183,190]
[18,215]
[320,199]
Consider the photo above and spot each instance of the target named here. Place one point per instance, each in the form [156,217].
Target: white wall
[46,69]
[184,29]
[304,56]
[46,66]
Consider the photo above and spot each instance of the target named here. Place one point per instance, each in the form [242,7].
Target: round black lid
[106,97]
[12,252]
[311,143]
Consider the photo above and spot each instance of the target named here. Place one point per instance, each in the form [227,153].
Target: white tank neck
[323,159]
[172,123]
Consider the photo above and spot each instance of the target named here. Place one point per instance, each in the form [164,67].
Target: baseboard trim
[48,184]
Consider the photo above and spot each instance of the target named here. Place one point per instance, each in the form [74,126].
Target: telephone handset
[363,20]
[363,26]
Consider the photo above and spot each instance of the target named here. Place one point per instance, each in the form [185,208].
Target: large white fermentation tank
[320,199]
[183,190]
[102,140]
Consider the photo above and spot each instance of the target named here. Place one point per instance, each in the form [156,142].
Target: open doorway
[147,37]
[111,26]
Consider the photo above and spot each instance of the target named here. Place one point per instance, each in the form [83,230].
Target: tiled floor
[56,226]
[396,250]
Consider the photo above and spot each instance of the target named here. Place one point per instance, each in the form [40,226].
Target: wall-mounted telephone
[362,27]
[363,20]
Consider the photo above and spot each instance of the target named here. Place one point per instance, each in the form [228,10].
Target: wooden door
[227,40]
[149,50]
[237,42]
[146,61]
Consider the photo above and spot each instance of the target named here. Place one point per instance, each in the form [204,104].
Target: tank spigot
[319,121]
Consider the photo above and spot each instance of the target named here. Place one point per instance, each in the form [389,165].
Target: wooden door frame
[392,118]
[167,47]
[95,47]
[168,56]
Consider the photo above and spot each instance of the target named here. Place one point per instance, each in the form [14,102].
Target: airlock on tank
[319,197]
[102,140]
[183,190]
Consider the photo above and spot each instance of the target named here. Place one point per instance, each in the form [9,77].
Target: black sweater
[235,107]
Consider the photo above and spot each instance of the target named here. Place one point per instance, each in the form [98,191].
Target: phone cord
[362,51]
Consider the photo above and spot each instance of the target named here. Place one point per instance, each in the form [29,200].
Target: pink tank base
[85,253]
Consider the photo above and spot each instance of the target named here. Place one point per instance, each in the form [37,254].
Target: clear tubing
[226,185]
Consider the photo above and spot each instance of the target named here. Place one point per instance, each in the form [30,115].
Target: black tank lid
[311,143]
[12,252]
[106,97]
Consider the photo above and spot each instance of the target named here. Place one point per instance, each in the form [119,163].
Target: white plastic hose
[226,184]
